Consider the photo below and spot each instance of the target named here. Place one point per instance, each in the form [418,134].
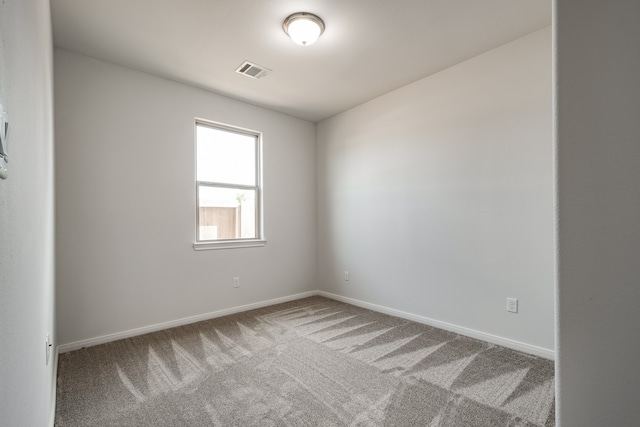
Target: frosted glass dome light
[303,28]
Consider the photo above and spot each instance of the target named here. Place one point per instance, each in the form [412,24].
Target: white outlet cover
[47,345]
[3,129]
[512,305]
[4,150]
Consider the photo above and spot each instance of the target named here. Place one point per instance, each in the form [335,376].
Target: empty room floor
[313,361]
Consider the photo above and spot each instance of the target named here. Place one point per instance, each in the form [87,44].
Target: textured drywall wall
[26,215]
[438,197]
[125,193]
[598,179]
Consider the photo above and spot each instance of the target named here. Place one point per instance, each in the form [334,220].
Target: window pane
[225,157]
[226,213]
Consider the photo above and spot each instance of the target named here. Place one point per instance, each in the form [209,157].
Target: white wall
[438,197]
[598,158]
[125,196]
[26,215]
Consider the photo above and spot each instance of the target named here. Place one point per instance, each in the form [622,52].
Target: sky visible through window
[225,157]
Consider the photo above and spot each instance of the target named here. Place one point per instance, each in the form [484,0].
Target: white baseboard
[179,322]
[505,342]
[52,409]
[516,345]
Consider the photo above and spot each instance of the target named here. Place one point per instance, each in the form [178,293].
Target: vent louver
[252,70]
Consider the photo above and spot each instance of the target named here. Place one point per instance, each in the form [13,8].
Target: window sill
[228,244]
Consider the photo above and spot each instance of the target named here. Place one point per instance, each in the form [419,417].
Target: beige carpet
[311,362]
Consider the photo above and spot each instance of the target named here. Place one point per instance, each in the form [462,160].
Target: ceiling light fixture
[303,28]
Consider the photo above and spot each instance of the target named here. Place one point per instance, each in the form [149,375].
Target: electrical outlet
[236,282]
[47,349]
[4,149]
[512,305]
[346,276]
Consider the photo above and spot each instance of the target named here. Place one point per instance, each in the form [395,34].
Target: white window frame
[259,240]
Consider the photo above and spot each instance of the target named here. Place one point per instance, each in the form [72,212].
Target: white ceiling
[369,47]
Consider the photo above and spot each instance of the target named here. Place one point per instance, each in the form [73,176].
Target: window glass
[227,184]
[225,157]
[226,213]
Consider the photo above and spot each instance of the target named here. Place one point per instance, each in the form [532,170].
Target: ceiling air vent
[252,70]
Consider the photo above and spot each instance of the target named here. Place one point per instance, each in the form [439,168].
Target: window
[228,187]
